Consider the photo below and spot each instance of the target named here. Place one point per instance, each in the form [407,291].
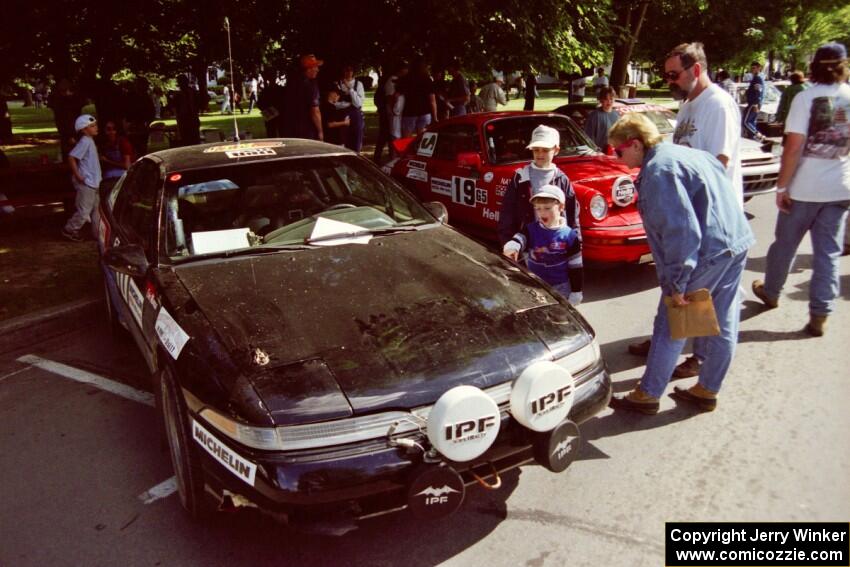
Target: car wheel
[184,457]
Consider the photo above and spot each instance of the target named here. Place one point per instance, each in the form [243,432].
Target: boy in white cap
[85,176]
[516,211]
[554,249]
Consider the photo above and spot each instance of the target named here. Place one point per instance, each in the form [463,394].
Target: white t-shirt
[600,81]
[88,162]
[822,114]
[712,122]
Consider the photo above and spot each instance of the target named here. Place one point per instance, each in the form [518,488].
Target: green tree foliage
[805,27]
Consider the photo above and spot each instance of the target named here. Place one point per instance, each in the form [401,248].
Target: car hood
[592,170]
[390,324]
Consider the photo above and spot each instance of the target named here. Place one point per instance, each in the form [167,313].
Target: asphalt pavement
[86,480]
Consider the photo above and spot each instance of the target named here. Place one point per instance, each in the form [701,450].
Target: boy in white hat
[554,248]
[85,176]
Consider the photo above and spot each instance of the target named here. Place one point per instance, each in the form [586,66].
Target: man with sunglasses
[708,120]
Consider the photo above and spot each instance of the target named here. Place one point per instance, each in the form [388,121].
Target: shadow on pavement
[619,423]
[759,336]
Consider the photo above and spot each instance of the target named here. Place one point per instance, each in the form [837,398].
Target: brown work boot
[641,348]
[697,395]
[817,325]
[687,369]
[758,291]
[636,400]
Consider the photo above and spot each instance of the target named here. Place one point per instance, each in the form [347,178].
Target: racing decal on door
[244,469]
[417,175]
[171,335]
[132,295]
[427,145]
[464,192]
[441,187]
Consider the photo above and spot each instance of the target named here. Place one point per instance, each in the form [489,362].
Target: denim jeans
[825,223]
[721,276]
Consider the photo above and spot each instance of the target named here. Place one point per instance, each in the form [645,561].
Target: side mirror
[609,150]
[129,259]
[438,210]
[470,160]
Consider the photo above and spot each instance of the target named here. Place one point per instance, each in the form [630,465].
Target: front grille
[760,182]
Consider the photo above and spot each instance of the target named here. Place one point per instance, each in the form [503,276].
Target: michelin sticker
[131,294]
[246,470]
[426,146]
[170,334]
[488,177]
[417,174]
[441,187]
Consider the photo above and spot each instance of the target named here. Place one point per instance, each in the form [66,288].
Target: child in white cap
[516,210]
[554,248]
[85,176]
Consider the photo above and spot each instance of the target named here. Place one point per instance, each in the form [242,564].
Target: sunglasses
[619,149]
[674,75]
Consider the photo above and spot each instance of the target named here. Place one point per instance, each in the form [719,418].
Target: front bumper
[367,479]
[614,245]
[759,178]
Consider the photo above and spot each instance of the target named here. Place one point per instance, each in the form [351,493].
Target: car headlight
[598,207]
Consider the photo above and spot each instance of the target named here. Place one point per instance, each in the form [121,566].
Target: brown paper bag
[696,319]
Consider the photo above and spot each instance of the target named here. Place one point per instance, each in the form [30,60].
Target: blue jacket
[690,213]
[755,90]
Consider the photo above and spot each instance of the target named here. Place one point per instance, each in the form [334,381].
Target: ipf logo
[469,429]
[548,402]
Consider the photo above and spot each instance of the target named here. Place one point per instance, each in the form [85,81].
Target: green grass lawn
[35,132]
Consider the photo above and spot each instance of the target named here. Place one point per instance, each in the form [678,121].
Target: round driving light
[623,191]
[436,491]
[598,207]
[464,423]
[542,396]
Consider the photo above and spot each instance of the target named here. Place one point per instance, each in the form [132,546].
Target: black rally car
[323,346]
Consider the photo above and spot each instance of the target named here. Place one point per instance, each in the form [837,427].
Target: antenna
[232,87]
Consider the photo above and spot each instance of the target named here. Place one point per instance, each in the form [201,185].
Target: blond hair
[634,126]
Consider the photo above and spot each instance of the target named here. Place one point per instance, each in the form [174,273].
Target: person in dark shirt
[335,121]
[301,115]
[420,101]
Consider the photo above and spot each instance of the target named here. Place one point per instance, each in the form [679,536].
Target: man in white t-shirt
[708,120]
[600,81]
[813,189]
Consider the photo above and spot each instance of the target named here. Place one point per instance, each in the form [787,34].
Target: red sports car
[467,162]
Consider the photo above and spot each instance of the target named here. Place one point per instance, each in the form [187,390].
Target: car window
[135,203]
[455,139]
[239,206]
[664,120]
[507,138]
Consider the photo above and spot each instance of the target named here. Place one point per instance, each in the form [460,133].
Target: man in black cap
[813,189]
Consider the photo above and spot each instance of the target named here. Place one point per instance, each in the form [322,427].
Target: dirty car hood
[397,322]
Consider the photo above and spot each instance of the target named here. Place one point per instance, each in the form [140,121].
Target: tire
[184,456]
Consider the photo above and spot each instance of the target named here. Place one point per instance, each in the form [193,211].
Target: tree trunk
[28,97]
[630,15]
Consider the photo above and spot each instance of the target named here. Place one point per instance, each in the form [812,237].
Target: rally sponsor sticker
[417,174]
[242,146]
[131,294]
[427,145]
[441,187]
[488,177]
[413,164]
[244,469]
[234,154]
[171,335]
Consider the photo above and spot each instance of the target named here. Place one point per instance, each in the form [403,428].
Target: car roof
[202,156]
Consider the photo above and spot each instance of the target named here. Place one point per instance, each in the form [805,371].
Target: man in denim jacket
[699,238]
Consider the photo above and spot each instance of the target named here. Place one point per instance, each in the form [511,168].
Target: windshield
[507,138]
[278,203]
[664,120]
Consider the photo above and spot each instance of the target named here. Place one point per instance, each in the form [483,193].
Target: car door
[456,184]
[132,219]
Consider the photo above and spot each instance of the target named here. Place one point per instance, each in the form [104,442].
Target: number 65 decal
[464,192]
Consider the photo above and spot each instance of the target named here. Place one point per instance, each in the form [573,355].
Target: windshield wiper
[360,233]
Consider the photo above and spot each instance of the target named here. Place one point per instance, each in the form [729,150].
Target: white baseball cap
[544,137]
[84,121]
[550,192]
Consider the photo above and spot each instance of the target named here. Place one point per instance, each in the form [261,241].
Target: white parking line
[88,378]
[161,490]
